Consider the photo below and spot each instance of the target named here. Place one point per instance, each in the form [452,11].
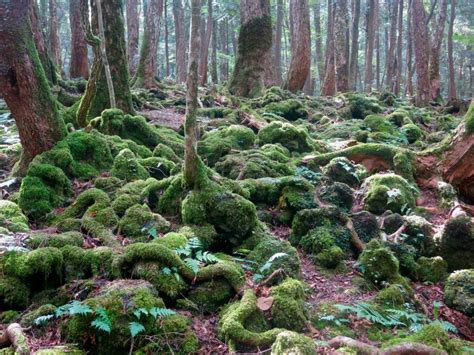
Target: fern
[102,321]
[135,328]
[265,267]
[138,312]
[206,257]
[79,308]
[156,312]
[193,264]
[43,319]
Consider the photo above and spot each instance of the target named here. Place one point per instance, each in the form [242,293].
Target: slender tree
[399,66]
[79,64]
[341,28]
[167,50]
[369,47]
[409,76]
[329,85]
[224,48]
[300,45]
[214,74]
[319,61]
[421,52]
[132,34]
[435,48]
[452,77]
[206,41]
[180,41]
[53,28]
[390,59]
[277,44]
[354,45]
[255,41]
[23,83]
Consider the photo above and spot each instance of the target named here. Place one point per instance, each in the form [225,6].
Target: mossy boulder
[366,225]
[28,319]
[457,243]
[378,263]
[12,218]
[40,240]
[14,293]
[139,220]
[358,105]
[378,123]
[388,192]
[288,309]
[308,219]
[293,138]
[341,169]
[412,132]
[126,167]
[291,109]
[209,296]
[420,234]
[459,291]
[433,269]
[325,237]
[338,194]
[393,296]
[331,257]
[293,343]
[86,263]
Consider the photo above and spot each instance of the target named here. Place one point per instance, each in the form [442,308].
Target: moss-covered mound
[293,138]
[457,243]
[459,291]
[11,217]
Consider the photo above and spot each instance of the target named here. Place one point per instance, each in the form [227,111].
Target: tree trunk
[300,45]
[329,85]
[390,60]
[214,74]
[369,52]
[79,65]
[167,49]
[452,78]
[435,82]
[54,45]
[23,83]
[180,38]
[421,52]
[354,45]
[377,39]
[255,41]
[103,52]
[224,47]
[147,66]
[133,22]
[409,84]
[277,47]
[341,23]
[399,67]
[205,43]
[193,166]
[317,34]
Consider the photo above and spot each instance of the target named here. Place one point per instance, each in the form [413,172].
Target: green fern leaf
[135,328]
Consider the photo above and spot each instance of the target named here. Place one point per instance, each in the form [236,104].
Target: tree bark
[435,82]
[409,83]
[205,43]
[354,46]
[329,85]
[224,47]
[377,54]
[278,37]
[399,66]
[23,83]
[103,52]
[54,45]
[341,23]
[146,74]
[133,22]
[255,41]
[167,49]
[317,34]
[79,65]
[214,74]
[390,60]
[452,78]
[421,52]
[180,39]
[300,45]
[369,52]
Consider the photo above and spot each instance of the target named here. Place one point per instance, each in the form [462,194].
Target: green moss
[457,243]
[330,257]
[163,151]
[12,218]
[399,117]
[358,105]
[86,263]
[433,269]
[293,138]
[158,168]
[342,170]
[89,201]
[459,291]
[378,123]
[8,317]
[14,293]
[388,192]
[139,219]
[108,184]
[172,240]
[209,296]
[291,109]
[393,296]
[366,226]
[378,264]
[206,234]
[412,132]
[126,167]
[469,119]
[28,319]
[338,194]
[228,270]
[39,240]
[288,305]
[293,343]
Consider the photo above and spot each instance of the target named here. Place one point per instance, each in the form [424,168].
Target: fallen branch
[413,349]
[15,337]
[273,276]
[362,348]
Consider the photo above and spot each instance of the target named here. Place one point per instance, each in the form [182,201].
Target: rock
[459,291]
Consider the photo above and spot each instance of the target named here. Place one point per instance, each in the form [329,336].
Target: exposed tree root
[15,337]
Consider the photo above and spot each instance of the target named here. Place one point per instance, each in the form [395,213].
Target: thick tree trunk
[79,65]
[180,38]
[409,83]
[277,46]
[341,27]
[205,43]
[452,79]
[54,45]
[369,51]
[329,85]
[300,45]
[146,74]
[255,41]
[421,52]
[23,83]
[435,81]
[399,67]
[133,22]
[354,46]
[317,34]
[390,60]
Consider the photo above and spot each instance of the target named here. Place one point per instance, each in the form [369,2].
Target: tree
[23,83]
[254,43]
[452,77]
[317,37]
[329,85]
[132,34]
[53,28]
[79,65]
[390,60]
[399,66]
[300,45]
[277,46]
[370,41]
[206,41]
[180,41]
[421,52]
[341,22]
[354,45]
[410,35]
[147,67]
[436,41]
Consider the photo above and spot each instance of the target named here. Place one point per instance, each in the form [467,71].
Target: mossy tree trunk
[112,12]
[193,171]
[206,40]
[180,41]
[254,43]
[23,83]
[132,34]
[435,48]
[300,45]
[146,74]
[341,28]
[79,66]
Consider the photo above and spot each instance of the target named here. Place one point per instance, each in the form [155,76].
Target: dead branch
[413,349]
[362,348]
[15,337]
[273,275]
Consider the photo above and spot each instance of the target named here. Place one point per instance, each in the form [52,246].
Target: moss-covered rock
[288,305]
[126,167]
[210,295]
[308,219]
[331,257]
[433,269]
[291,109]
[291,137]
[325,237]
[28,319]
[388,192]
[85,263]
[39,240]
[108,184]
[412,132]
[342,170]
[393,296]
[11,217]
[378,264]
[366,226]
[457,243]
[419,233]
[139,220]
[14,293]
[338,194]
[293,343]
[459,291]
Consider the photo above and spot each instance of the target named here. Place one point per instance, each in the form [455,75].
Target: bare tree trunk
[214,74]
[255,41]
[460,77]
[390,60]
[329,85]
[180,38]
[193,166]
[399,67]
[23,84]
[317,34]
[224,47]
[435,82]
[278,37]
[409,86]
[452,79]
[103,50]
[205,43]
[421,53]
[133,22]
[79,65]
[54,45]
[377,56]
[146,74]
[370,35]
[341,27]
[300,45]
[167,49]
[354,45]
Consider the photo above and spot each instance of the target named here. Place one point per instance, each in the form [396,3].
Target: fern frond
[135,328]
